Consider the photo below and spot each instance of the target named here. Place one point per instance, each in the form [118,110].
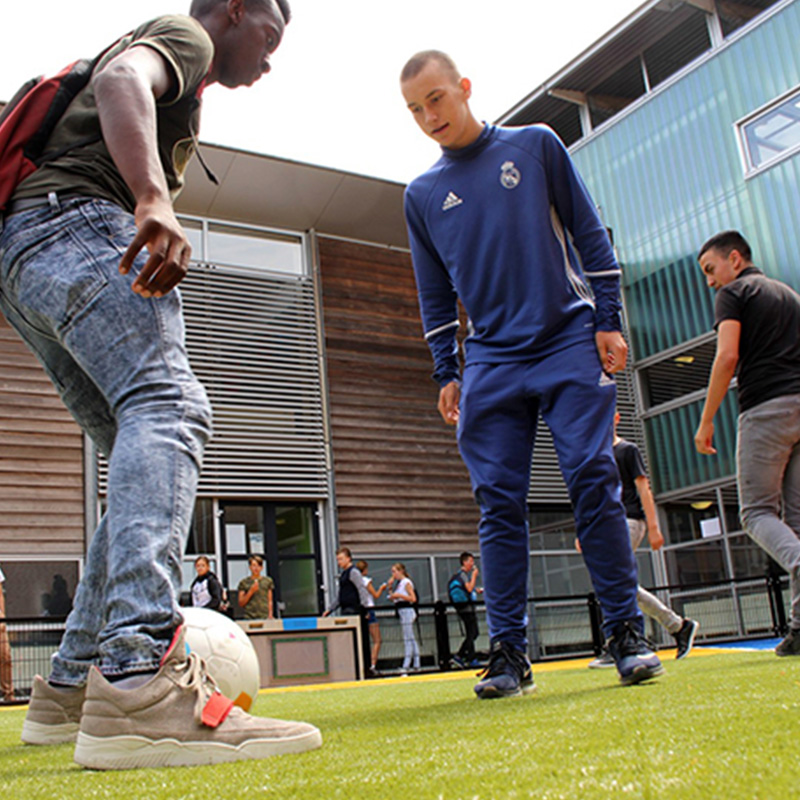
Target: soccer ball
[227,651]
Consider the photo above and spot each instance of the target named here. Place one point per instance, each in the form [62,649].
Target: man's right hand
[169,249]
[449,397]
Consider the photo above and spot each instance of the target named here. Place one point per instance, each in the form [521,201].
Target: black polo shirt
[769,346]
[631,466]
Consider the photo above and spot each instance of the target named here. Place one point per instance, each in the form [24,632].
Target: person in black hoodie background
[206,588]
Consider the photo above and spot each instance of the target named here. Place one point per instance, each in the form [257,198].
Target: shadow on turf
[468,703]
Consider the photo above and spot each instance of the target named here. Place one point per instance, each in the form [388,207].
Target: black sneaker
[684,638]
[508,674]
[635,659]
[790,646]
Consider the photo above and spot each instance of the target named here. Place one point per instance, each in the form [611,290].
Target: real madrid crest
[509,175]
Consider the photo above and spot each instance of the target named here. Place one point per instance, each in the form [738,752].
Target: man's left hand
[612,349]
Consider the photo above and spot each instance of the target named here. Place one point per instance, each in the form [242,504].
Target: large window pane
[241,247]
[551,528]
[702,563]
[244,530]
[557,575]
[298,579]
[418,570]
[39,588]
[446,567]
[194,233]
[749,560]
[688,522]
[295,530]
[201,533]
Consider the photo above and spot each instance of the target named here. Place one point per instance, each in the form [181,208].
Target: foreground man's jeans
[120,365]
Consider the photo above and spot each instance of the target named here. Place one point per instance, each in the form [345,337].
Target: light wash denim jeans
[120,365]
[410,646]
[768,464]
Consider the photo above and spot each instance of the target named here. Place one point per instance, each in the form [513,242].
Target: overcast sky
[333,96]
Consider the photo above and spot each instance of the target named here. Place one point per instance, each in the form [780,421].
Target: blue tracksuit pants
[496,433]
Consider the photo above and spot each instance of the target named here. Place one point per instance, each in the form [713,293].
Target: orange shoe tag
[216,709]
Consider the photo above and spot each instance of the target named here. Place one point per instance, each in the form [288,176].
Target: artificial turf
[723,725]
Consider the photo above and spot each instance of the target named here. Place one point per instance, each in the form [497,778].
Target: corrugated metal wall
[668,174]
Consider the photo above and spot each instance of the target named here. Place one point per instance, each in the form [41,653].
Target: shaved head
[418,62]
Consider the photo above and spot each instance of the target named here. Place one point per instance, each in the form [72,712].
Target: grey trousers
[768,465]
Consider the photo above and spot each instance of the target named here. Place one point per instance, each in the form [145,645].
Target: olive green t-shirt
[258,605]
[89,170]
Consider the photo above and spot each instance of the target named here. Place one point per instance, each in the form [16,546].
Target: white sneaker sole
[38,733]
[133,752]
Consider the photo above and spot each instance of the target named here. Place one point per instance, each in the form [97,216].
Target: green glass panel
[298,580]
[295,530]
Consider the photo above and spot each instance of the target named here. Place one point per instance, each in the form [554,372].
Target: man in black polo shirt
[757,320]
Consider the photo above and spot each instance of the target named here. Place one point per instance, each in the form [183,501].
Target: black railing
[558,627]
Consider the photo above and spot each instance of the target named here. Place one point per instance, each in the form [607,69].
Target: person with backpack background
[91,254]
[462,591]
[405,599]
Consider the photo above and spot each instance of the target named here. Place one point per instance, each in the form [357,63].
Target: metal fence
[558,627]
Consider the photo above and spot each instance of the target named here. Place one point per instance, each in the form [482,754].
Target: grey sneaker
[790,645]
[54,715]
[178,718]
[603,661]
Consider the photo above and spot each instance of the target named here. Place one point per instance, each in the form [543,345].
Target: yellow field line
[456,675]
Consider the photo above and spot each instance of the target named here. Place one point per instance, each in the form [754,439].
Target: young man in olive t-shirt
[757,321]
[90,256]
[255,591]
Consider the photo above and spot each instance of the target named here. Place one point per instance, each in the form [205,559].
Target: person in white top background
[404,598]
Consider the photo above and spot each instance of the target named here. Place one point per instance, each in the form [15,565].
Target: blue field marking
[750,644]
[300,624]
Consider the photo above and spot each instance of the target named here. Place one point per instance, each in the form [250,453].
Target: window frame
[749,167]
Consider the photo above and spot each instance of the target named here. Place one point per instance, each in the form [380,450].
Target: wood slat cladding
[400,483]
[41,459]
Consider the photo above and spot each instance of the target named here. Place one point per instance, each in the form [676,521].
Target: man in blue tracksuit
[503,222]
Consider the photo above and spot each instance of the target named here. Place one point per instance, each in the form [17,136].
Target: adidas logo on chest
[451,201]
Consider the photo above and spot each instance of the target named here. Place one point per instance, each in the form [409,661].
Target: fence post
[442,635]
[776,606]
[596,621]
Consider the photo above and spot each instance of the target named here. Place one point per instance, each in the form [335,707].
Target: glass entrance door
[287,536]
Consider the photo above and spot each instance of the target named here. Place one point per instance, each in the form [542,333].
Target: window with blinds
[252,337]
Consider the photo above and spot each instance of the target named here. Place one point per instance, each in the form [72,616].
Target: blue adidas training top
[507,225]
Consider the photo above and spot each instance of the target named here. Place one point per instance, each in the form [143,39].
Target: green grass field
[724,725]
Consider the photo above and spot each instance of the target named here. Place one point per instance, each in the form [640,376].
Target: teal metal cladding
[674,463]
[667,173]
